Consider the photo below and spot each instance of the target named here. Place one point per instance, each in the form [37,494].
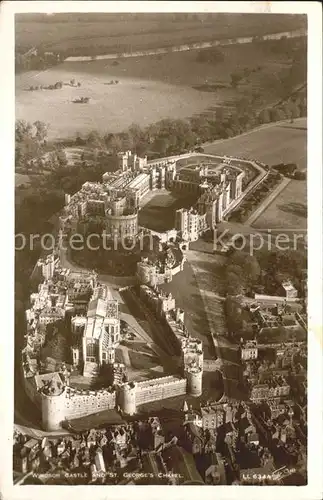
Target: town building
[275,386]
[249,350]
[213,416]
[289,290]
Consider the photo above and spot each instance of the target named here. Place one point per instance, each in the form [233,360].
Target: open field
[112,108]
[182,68]
[271,144]
[65,32]
[288,210]
[150,88]
[159,213]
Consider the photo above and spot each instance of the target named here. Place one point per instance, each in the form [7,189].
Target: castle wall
[80,403]
[163,388]
[149,276]
[70,404]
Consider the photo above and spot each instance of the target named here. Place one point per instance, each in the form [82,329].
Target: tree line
[36,59]
[175,136]
[264,272]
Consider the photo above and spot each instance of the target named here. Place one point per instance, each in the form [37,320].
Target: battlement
[162,381]
[72,391]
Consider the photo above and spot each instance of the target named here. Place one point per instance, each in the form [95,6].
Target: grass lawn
[112,108]
[277,143]
[288,210]
[159,213]
[141,361]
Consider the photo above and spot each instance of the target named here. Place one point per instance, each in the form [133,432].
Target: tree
[135,134]
[243,105]
[276,114]
[264,116]
[161,145]
[62,158]
[52,161]
[94,139]
[41,131]
[23,129]
[27,145]
[294,110]
[249,265]
[235,79]
[233,284]
[113,143]
[235,269]
[79,141]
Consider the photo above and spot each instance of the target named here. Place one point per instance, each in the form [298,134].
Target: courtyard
[158,213]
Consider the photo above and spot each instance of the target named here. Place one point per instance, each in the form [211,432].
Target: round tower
[52,394]
[194,381]
[127,398]
[53,410]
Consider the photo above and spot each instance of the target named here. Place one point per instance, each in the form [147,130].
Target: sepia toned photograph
[161,312]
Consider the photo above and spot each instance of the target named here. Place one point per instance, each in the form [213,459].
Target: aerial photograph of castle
[160,249]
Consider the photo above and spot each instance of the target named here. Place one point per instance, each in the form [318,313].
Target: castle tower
[194,380]
[53,405]
[223,176]
[127,398]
